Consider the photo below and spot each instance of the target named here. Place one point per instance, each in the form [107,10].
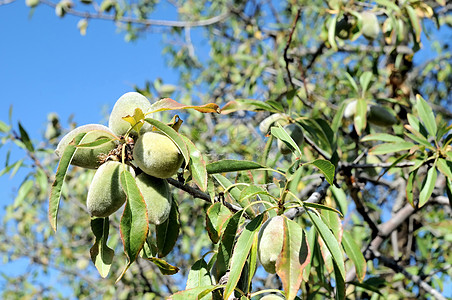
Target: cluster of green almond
[147,153]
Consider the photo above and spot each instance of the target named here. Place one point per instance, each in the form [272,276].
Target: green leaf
[426,115]
[333,221]
[26,139]
[330,241]
[197,165]
[168,232]
[332,32]
[199,275]
[191,293]
[352,82]
[24,189]
[445,167]
[3,127]
[164,267]
[173,135]
[368,287]
[55,192]
[294,257]
[364,81]
[384,137]
[355,254]
[281,134]
[337,120]
[240,254]
[360,116]
[326,167]
[216,217]
[389,4]
[416,127]
[415,22]
[321,206]
[410,186]
[134,223]
[248,105]
[227,244]
[231,165]
[391,147]
[14,166]
[101,255]
[427,186]
[340,282]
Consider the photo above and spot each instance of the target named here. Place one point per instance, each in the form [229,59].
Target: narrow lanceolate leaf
[134,224]
[445,167]
[364,81]
[326,167]
[332,32]
[101,254]
[170,104]
[391,147]
[22,194]
[426,115]
[199,275]
[168,232]
[360,116]
[55,192]
[427,186]
[164,267]
[410,187]
[241,251]
[246,104]
[340,283]
[197,165]
[227,244]
[294,257]
[415,22]
[384,137]
[281,134]
[191,293]
[216,217]
[354,253]
[173,135]
[26,139]
[321,206]
[232,165]
[330,241]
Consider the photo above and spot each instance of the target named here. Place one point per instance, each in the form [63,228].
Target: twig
[390,263]
[315,197]
[146,22]
[286,49]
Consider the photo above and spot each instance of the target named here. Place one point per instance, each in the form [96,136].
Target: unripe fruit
[272,297]
[270,243]
[88,157]
[105,194]
[125,106]
[350,109]
[371,27]
[380,116]
[157,155]
[156,194]
[296,133]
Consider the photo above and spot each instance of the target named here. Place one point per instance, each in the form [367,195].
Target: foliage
[365,203]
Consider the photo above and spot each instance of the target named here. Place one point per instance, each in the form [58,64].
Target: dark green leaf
[101,255]
[231,165]
[340,282]
[355,254]
[55,192]
[168,232]
[163,266]
[134,223]
[427,186]
[26,139]
[326,167]
[216,217]
[240,254]
[227,244]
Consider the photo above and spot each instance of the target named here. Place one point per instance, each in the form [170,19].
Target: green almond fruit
[296,133]
[157,155]
[88,157]
[157,195]
[380,116]
[125,106]
[270,243]
[371,27]
[105,194]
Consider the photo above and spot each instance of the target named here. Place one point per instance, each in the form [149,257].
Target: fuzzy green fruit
[270,243]
[272,297]
[371,27]
[105,194]
[88,157]
[296,133]
[125,106]
[157,195]
[380,116]
[157,155]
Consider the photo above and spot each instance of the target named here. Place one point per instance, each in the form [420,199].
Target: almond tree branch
[147,22]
